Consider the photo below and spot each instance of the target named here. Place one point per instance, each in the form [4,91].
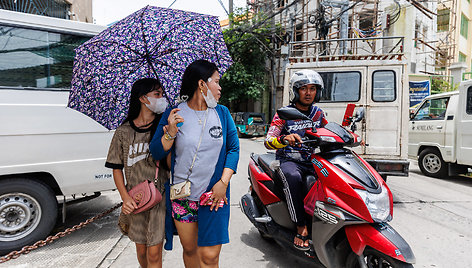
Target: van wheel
[28,212]
[432,164]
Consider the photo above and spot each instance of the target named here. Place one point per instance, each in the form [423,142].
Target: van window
[35,58]
[383,86]
[341,86]
[469,101]
[434,109]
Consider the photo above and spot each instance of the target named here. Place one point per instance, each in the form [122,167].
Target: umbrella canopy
[152,42]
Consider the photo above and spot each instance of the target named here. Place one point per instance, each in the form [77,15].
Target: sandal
[304,238]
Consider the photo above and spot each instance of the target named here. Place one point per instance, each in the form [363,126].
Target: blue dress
[212,225]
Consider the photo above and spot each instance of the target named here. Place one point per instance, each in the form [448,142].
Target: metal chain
[41,243]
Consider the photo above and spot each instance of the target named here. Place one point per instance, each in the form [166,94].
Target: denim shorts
[184,210]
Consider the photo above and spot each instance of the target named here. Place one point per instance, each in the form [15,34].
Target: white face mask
[209,98]
[157,105]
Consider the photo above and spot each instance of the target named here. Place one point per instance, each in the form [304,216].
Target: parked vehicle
[347,201]
[376,82]
[250,124]
[440,133]
[49,152]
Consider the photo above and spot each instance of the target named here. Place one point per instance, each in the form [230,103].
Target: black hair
[140,88]
[199,69]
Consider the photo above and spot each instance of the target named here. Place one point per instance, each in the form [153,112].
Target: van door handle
[439,127]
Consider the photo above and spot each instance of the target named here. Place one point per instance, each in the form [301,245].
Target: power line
[172,4]
[223,6]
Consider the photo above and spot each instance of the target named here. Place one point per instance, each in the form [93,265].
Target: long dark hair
[199,69]
[140,88]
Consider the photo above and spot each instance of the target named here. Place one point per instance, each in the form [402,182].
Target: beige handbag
[182,190]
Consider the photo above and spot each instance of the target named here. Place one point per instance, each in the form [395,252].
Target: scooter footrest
[263,219]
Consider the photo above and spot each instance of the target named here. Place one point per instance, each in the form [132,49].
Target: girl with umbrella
[205,151]
[129,150]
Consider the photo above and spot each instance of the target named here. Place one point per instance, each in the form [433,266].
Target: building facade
[454,34]
[78,10]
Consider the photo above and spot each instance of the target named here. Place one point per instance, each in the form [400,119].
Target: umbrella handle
[180,124]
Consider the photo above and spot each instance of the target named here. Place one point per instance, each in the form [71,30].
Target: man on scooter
[305,90]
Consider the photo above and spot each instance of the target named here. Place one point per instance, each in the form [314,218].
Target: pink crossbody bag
[146,195]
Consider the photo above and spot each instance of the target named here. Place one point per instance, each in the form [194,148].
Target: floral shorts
[185,210]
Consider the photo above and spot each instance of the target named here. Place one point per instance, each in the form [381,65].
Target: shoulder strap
[198,147]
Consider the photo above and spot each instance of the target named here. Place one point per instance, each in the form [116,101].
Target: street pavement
[433,216]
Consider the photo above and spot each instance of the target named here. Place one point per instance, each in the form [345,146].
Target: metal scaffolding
[51,8]
[446,44]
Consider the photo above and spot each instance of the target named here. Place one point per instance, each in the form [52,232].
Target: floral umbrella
[152,42]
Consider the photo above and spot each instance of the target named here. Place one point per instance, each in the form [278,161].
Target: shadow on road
[274,254]
[460,179]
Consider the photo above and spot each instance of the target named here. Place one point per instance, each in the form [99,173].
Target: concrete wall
[81,10]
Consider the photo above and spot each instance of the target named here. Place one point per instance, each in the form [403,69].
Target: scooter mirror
[289,113]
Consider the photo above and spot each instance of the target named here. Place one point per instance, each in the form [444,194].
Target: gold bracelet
[226,184]
[168,137]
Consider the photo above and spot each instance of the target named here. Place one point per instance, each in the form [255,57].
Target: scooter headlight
[377,204]
[328,139]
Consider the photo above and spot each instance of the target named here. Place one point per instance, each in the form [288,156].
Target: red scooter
[347,201]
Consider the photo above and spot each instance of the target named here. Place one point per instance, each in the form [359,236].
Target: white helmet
[305,77]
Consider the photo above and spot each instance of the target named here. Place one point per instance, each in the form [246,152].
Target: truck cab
[440,133]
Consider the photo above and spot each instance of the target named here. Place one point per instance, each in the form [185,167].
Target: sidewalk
[123,254]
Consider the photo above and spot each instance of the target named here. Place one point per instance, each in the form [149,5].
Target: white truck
[376,82]
[48,151]
[440,133]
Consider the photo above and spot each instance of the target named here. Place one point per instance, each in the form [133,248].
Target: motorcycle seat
[264,161]
[268,164]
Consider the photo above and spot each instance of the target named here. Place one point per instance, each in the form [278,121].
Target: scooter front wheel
[375,259]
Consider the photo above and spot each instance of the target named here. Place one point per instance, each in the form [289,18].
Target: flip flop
[303,238]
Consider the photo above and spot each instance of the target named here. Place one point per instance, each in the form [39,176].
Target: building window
[341,86]
[443,20]
[413,67]
[469,101]
[281,3]
[462,57]
[299,32]
[464,25]
[383,86]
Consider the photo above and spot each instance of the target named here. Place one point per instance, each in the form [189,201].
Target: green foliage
[440,85]
[248,41]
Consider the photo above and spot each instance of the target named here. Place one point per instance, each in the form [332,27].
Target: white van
[379,87]
[48,151]
[440,133]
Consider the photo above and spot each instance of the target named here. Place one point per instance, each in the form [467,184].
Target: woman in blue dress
[205,151]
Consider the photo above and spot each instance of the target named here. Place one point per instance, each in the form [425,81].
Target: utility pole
[230,6]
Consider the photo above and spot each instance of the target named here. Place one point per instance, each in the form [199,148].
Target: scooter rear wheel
[375,259]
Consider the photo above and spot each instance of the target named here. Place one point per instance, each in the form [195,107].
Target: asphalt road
[433,216]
